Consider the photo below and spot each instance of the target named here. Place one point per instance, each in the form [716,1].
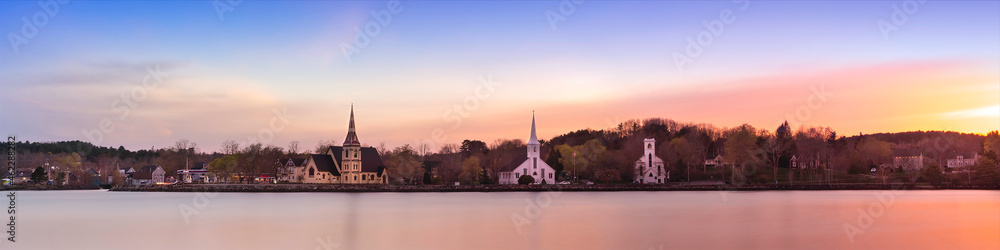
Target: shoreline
[339,188]
[45,188]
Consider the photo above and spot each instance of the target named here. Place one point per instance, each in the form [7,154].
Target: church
[529,164]
[649,168]
[347,164]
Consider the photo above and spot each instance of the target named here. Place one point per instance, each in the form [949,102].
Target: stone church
[347,164]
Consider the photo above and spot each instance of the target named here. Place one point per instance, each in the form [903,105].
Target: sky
[147,74]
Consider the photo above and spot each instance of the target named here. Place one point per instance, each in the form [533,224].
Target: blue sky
[607,61]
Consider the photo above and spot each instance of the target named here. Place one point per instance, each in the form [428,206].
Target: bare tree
[230,147]
[321,146]
[450,148]
[423,149]
[252,156]
[293,148]
[383,151]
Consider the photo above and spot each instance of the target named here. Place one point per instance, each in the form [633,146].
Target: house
[964,160]
[649,168]
[717,161]
[195,173]
[95,177]
[71,178]
[798,162]
[148,175]
[347,164]
[22,177]
[289,169]
[125,173]
[528,164]
[908,159]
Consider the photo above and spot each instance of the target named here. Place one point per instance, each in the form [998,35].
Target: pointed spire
[352,136]
[534,138]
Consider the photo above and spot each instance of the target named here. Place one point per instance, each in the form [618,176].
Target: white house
[148,175]
[195,173]
[529,164]
[289,170]
[649,169]
[961,161]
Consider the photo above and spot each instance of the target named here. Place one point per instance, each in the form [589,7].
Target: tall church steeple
[533,141]
[352,136]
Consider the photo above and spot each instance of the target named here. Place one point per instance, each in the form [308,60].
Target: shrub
[525,180]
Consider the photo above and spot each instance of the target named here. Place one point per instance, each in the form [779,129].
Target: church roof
[148,169]
[337,152]
[371,161]
[904,152]
[325,163]
[514,163]
[352,136]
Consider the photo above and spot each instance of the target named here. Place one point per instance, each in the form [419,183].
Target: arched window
[311,172]
[355,177]
[362,177]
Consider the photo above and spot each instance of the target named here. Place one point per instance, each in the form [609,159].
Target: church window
[650,146]
[355,177]
[362,177]
[535,149]
[525,171]
[534,173]
[311,172]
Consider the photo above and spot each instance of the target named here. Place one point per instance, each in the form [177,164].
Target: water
[570,220]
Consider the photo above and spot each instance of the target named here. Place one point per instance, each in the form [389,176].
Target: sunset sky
[813,63]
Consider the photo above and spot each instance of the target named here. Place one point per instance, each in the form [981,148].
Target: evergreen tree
[39,175]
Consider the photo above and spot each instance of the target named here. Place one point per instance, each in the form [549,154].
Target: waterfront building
[347,164]
[529,164]
[649,168]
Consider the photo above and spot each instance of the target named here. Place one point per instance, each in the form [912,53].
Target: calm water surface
[569,220]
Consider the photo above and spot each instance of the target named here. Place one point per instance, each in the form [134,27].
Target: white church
[649,168]
[529,164]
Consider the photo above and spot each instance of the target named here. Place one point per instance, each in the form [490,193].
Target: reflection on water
[571,220]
